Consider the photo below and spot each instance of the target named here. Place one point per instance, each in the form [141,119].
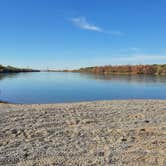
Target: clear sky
[77,33]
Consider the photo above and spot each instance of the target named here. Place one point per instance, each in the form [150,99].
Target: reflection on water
[7,75]
[54,87]
[127,78]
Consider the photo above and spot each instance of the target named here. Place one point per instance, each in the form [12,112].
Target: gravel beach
[100,133]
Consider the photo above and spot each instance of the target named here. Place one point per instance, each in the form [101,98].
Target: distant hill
[126,69]
[11,69]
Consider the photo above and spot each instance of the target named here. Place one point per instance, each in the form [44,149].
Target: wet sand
[101,133]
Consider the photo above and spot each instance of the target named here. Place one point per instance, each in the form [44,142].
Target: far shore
[11,69]
[155,69]
[146,69]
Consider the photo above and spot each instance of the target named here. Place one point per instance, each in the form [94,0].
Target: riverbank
[131,132]
[11,69]
[156,69]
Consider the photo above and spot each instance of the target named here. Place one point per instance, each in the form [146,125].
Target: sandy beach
[101,133]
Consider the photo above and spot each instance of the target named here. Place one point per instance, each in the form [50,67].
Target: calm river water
[54,87]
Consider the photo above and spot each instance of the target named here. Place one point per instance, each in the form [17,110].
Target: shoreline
[109,132]
[4,102]
[79,102]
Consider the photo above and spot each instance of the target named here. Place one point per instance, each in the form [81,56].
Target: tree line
[11,69]
[126,69]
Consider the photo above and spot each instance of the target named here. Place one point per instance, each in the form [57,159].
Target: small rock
[124,139]
[26,155]
[14,131]
[147,121]
[142,129]
[101,153]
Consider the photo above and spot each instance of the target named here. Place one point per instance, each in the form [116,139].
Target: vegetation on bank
[126,69]
[11,69]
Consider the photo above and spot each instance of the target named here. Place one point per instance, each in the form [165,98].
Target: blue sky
[77,33]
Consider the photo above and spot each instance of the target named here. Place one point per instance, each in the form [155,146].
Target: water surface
[53,87]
